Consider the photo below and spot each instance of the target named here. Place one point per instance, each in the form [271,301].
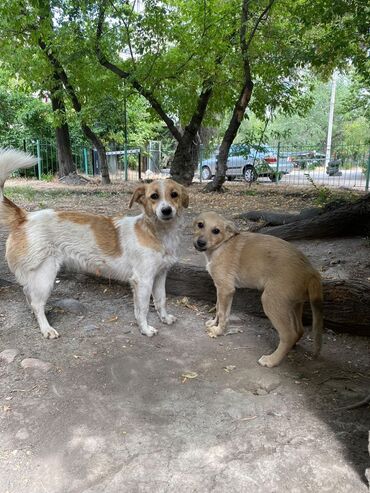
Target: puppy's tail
[316,300]
[10,160]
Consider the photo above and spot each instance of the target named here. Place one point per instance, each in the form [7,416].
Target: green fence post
[200,162]
[86,161]
[367,173]
[277,163]
[39,167]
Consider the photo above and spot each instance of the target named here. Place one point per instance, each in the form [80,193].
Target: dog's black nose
[166,211]
[201,243]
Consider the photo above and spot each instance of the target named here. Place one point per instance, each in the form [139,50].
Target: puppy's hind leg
[298,312]
[37,288]
[281,315]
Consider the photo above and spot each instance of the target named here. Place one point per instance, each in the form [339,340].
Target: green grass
[22,193]
[31,195]
[250,193]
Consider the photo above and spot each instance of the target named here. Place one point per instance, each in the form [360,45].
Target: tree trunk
[230,134]
[61,75]
[279,218]
[346,306]
[64,151]
[350,219]
[242,102]
[185,161]
[97,143]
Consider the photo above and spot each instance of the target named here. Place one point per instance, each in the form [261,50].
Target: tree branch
[148,95]
[253,32]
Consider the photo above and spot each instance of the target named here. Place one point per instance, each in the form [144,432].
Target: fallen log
[351,219]
[346,303]
[277,218]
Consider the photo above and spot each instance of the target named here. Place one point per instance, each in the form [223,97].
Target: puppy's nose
[201,243]
[166,211]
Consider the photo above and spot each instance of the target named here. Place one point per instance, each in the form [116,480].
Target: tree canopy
[178,63]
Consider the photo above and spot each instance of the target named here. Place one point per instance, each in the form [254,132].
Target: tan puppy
[251,260]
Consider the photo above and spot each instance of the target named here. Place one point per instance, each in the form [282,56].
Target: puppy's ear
[231,228]
[138,196]
[184,198]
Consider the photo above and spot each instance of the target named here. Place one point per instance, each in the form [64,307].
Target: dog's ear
[184,198]
[138,196]
[231,228]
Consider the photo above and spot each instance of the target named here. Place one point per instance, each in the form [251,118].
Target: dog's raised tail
[11,160]
[316,301]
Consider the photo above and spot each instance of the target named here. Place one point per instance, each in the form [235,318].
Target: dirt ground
[111,411]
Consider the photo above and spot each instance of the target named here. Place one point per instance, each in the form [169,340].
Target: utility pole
[331,118]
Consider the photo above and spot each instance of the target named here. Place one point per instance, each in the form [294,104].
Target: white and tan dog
[137,249]
[266,263]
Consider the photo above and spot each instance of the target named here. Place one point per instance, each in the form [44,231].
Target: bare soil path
[117,412]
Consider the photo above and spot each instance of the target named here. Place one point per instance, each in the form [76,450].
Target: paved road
[353,178]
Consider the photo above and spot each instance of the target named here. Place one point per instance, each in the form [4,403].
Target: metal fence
[347,167]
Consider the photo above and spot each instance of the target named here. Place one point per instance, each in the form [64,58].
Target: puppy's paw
[267,361]
[50,333]
[215,331]
[149,331]
[211,322]
[169,319]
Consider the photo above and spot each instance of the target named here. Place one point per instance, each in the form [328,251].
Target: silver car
[249,163]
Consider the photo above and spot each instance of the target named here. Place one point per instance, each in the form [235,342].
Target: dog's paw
[211,322]
[149,331]
[215,331]
[267,361]
[50,333]
[169,319]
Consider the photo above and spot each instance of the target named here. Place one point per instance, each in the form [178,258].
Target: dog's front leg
[213,321]
[159,297]
[142,288]
[224,301]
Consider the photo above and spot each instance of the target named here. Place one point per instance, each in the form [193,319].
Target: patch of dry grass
[113,199]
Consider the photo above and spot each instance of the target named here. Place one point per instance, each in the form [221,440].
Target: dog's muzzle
[200,245]
[166,213]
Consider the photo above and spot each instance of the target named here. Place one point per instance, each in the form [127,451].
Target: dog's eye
[154,196]
[200,225]
[215,231]
[174,195]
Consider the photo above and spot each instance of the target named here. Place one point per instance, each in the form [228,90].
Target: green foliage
[174,49]
[47,177]
[22,116]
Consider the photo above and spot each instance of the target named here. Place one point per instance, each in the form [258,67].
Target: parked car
[248,162]
[306,159]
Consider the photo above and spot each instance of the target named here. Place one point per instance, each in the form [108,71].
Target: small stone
[90,327]
[235,320]
[261,392]
[36,364]
[335,262]
[22,434]
[8,355]
[71,305]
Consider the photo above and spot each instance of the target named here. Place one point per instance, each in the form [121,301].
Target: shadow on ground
[119,412]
